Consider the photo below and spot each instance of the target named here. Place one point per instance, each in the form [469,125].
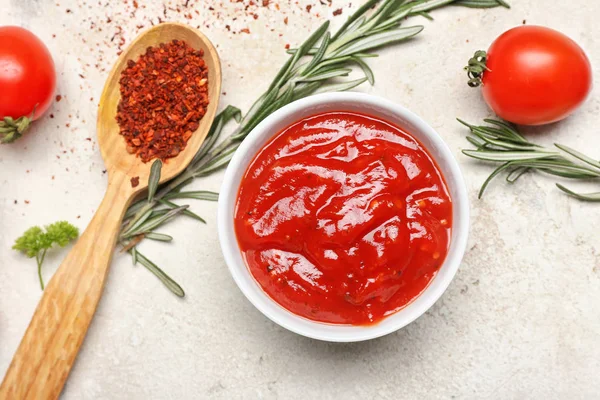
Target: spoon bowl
[112,144]
[48,349]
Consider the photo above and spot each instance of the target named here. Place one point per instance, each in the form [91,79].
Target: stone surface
[520,320]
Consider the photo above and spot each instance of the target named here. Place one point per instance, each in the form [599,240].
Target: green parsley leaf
[35,241]
[61,233]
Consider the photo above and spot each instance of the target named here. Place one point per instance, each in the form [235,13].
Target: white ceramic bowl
[376,107]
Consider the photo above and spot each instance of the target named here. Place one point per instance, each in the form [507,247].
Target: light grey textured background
[521,319]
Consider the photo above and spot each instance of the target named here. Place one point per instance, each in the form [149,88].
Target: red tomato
[536,76]
[27,75]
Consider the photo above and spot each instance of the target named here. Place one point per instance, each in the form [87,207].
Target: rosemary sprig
[320,64]
[500,141]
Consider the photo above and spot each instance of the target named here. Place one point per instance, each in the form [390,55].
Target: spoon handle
[46,354]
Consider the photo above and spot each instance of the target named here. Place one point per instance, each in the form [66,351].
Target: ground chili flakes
[164,95]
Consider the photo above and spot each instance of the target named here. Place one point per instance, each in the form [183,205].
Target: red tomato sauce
[343,218]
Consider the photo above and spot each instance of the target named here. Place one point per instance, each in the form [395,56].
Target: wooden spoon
[46,354]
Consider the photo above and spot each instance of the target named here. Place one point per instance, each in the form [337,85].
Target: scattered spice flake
[135,181]
[58,98]
[26,201]
[119,22]
[308,8]
[164,94]
[287,46]
[285,20]
[337,12]
[245,30]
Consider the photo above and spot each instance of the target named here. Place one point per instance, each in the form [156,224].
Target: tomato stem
[11,129]
[476,68]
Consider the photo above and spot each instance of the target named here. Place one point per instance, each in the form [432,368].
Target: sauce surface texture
[343,218]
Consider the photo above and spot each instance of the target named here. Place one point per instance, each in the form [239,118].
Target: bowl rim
[264,132]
